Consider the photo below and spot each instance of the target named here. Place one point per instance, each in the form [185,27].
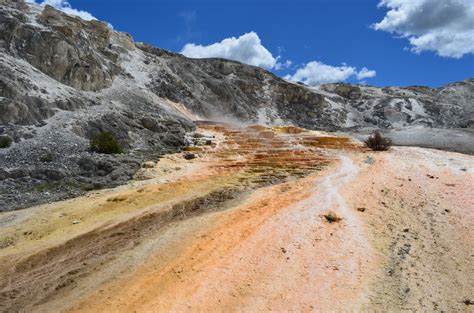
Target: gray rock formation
[451,106]
[219,89]
[77,53]
[62,80]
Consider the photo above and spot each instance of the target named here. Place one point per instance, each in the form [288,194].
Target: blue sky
[330,32]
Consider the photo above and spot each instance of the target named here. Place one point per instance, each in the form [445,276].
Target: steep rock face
[27,96]
[77,53]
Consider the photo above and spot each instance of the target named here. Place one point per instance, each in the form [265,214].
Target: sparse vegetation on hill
[105,142]
[5,141]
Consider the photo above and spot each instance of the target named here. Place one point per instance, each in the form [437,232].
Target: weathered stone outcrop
[75,52]
[391,107]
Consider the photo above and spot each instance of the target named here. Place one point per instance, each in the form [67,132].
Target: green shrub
[105,142]
[5,141]
[47,186]
[47,157]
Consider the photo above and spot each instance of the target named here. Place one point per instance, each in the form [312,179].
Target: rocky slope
[63,79]
[393,107]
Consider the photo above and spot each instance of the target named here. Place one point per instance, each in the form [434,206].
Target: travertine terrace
[244,227]
[77,237]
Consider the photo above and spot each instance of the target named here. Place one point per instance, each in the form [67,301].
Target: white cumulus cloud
[443,26]
[247,49]
[316,73]
[284,65]
[365,73]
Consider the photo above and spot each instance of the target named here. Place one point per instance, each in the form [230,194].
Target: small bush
[5,141]
[47,186]
[189,156]
[47,157]
[332,218]
[378,142]
[105,142]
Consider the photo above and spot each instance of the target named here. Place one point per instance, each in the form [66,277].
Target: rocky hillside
[391,107]
[63,80]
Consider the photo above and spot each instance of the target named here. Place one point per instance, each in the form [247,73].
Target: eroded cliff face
[77,53]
